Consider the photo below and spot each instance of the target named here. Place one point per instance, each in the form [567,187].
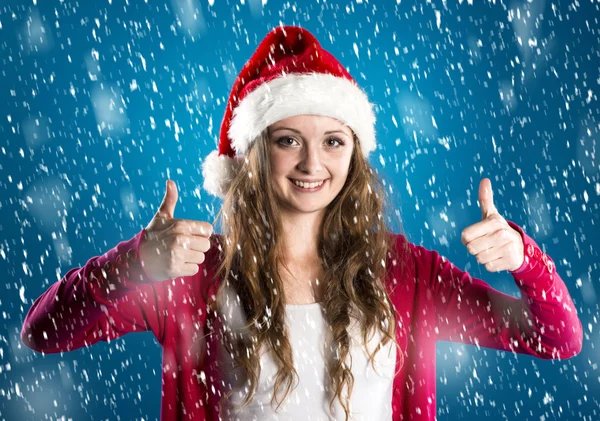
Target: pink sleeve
[109,296]
[543,322]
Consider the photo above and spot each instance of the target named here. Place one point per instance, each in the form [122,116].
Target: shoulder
[400,246]
[400,254]
[414,258]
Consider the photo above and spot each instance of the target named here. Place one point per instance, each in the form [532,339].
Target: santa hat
[289,74]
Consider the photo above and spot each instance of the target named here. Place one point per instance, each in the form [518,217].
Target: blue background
[101,103]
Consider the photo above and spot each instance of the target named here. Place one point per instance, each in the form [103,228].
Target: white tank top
[371,397]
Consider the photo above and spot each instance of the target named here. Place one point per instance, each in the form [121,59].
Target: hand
[173,247]
[495,243]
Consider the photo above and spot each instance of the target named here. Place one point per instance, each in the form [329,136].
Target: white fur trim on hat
[297,94]
[218,172]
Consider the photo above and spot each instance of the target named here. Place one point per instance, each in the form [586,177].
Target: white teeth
[308,185]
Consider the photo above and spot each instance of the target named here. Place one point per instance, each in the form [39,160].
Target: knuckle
[206,228]
[180,227]
[184,241]
[173,241]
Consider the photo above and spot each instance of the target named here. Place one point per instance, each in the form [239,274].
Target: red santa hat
[289,74]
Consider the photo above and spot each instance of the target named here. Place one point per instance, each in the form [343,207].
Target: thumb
[486,198]
[167,207]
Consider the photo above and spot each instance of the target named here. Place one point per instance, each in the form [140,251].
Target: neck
[300,235]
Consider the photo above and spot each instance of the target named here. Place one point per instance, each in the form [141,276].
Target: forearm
[550,321]
[79,310]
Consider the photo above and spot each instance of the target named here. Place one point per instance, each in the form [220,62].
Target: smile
[308,187]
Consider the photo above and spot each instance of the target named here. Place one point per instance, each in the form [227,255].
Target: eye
[283,141]
[335,139]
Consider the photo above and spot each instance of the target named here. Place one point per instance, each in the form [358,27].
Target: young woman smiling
[305,306]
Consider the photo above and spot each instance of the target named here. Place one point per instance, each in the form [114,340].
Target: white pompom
[218,172]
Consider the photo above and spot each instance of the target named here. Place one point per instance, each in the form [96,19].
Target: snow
[102,104]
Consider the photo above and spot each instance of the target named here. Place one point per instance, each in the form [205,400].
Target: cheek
[280,162]
[343,166]
[276,166]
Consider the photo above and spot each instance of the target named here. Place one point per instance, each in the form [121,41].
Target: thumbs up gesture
[173,247]
[495,243]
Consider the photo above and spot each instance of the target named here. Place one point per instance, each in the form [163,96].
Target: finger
[185,262]
[479,229]
[192,227]
[498,265]
[193,242]
[498,238]
[486,198]
[167,207]
[192,256]
[490,254]
[190,269]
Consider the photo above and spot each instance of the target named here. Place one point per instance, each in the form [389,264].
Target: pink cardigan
[111,295]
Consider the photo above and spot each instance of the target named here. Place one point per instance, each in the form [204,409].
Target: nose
[310,161]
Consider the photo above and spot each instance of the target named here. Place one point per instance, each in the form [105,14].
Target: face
[310,157]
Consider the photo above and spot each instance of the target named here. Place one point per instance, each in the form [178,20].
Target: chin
[299,205]
[305,207]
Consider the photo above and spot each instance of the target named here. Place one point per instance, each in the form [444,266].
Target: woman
[306,306]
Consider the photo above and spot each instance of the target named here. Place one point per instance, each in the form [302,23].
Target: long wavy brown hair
[354,245]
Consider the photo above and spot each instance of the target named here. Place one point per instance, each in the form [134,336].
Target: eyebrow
[298,131]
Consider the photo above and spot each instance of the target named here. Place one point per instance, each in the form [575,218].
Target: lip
[307,181]
[303,190]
